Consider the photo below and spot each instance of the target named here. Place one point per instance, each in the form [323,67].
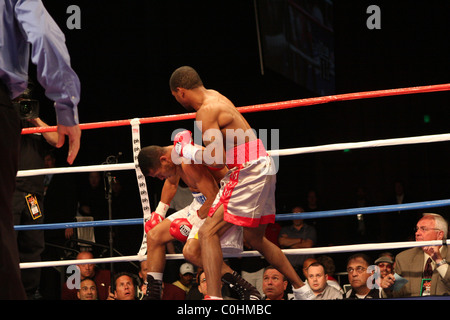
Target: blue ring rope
[279,217]
[364,210]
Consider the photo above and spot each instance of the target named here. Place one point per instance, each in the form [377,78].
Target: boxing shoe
[154,289]
[243,288]
[303,293]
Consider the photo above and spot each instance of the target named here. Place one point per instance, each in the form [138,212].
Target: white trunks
[231,242]
[247,192]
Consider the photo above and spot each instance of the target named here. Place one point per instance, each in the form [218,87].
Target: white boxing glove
[184,145]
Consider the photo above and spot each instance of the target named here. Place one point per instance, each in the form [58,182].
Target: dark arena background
[262,51]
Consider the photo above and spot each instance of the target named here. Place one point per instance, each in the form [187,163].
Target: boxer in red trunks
[247,193]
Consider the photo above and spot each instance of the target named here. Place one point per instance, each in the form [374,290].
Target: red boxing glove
[154,220]
[184,145]
[180,229]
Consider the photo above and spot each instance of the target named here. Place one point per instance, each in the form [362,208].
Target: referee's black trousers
[10,280]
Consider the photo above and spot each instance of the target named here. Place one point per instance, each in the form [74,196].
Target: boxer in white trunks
[183,225]
[247,193]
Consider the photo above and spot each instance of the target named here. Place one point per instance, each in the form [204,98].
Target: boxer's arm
[213,155]
[167,193]
[206,184]
[169,189]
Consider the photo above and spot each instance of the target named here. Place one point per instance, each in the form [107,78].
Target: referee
[27,31]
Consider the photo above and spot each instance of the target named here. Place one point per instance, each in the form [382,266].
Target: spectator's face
[426,230]
[385,269]
[94,179]
[124,288]
[202,287]
[317,279]
[186,279]
[357,273]
[87,270]
[274,284]
[88,290]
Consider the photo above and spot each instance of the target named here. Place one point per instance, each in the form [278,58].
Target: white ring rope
[365,144]
[92,168]
[283,152]
[316,250]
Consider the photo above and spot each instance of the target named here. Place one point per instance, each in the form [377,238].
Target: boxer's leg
[272,253]
[157,238]
[244,289]
[192,252]
[212,257]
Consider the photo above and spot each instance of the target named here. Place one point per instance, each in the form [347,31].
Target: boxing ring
[135,128]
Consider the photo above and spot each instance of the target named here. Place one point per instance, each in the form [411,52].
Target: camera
[27,108]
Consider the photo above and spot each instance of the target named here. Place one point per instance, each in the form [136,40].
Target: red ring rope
[262,107]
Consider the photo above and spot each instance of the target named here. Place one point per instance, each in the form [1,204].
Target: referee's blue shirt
[27,22]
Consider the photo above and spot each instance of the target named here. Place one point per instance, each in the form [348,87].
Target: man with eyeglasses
[425,268]
[359,276]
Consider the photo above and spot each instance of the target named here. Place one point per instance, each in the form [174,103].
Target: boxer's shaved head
[185,77]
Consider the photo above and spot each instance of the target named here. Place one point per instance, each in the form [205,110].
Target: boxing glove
[154,220]
[184,145]
[157,216]
[180,229]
